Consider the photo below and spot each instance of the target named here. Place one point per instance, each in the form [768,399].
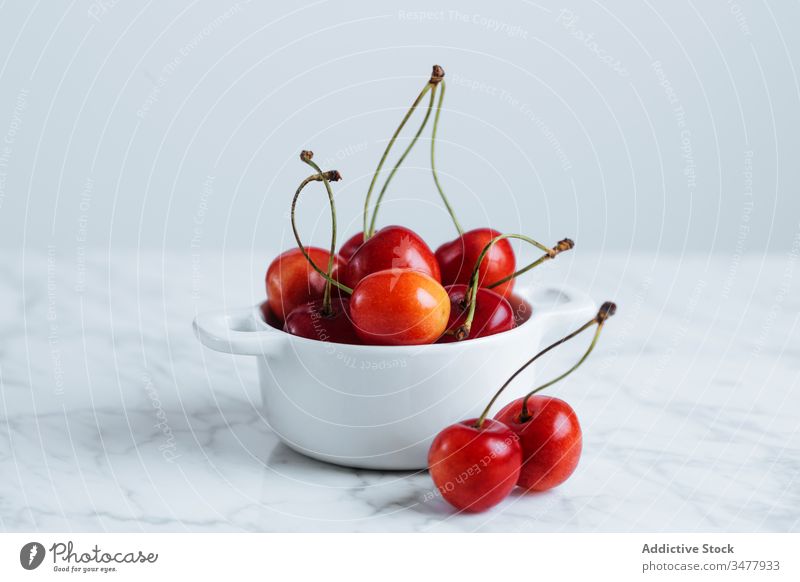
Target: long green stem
[325,177]
[450,210]
[462,332]
[436,77]
[408,114]
[486,410]
[524,416]
[606,310]
[400,161]
[307,157]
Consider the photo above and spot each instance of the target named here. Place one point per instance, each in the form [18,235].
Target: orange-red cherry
[392,247]
[291,281]
[457,260]
[399,307]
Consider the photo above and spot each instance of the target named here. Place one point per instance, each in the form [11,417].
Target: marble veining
[114,418]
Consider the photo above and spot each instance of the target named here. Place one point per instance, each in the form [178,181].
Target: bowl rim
[524,292]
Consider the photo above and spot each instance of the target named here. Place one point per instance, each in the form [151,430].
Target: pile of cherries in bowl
[387,287]
[393,290]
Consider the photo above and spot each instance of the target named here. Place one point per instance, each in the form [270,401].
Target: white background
[558,120]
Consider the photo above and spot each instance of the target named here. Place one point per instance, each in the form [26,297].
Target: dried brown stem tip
[330,176]
[306,156]
[461,332]
[437,75]
[563,245]
[606,310]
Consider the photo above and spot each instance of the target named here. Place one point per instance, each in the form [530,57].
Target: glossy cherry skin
[522,309]
[493,314]
[392,247]
[399,307]
[351,245]
[292,282]
[457,259]
[309,322]
[551,441]
[475,469]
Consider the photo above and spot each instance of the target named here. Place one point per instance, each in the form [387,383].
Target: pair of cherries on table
[393,290]
[534,442]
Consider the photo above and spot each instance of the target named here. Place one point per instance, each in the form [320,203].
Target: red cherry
[399,307]
[352,244]
[493,314]
[392,247]
[551,440]
[269,317]
[291,281]
[457,259]
[309,321]
[522,309]
[475,468]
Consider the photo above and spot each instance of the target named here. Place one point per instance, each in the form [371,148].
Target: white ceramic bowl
[379,407]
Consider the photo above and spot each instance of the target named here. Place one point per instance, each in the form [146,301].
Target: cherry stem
[436,77]
[450,210]
[462,332]
[307,156]
[408,114]
[524,416]
[401,160]
[326,178]
[561,246]
[606,310]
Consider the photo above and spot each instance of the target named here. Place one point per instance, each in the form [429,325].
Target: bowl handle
[234,331]
[562,308]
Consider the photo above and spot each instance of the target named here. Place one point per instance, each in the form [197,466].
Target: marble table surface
[114,418]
